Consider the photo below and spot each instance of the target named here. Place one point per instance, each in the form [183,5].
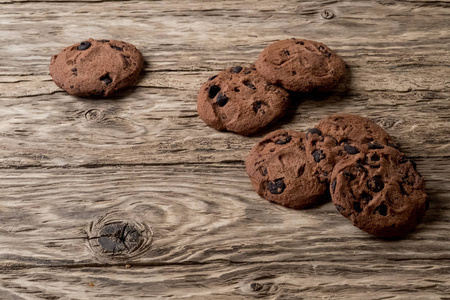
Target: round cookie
[279,171]
[300,65]
[240,100]
[379,191]
[96,67]
[340,136]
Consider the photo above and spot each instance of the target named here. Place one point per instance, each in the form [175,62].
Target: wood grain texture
[144,157]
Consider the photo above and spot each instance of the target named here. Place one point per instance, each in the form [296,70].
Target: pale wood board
[145,156]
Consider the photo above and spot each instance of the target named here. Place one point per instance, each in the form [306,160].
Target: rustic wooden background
[70,166]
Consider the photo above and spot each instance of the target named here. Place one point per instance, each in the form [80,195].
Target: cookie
[240,100]
[279,172]
[96,67]
[380,191]
[300,65]
[340,136]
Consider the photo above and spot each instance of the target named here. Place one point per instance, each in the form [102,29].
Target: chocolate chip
[374,145]
[103,41]
[318,155]
[286,52]
[366,197]
[116,48]
[322,49]
[262,170]
[313,131]
[333,185]
[236,69]
[351,149]
[74,71]
[276,187]
[382,210]
[357,207]
[213,90]
[300,43]
[375,157]
[339,208]
[106,79]
[402,190]
[251,85]
[212,77]
[376,184]
[247,71]
[349,175]
[283,140]
[257,105]
[84,45]
[221,100]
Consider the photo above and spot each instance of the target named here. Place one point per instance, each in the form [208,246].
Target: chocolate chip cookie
[240,100]
[380,191]
[339,136]
[279,171]
[300,65]
[96,67]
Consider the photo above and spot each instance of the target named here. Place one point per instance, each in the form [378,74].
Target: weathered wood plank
[162,126]
[196,214]
[287,280]
[176,36]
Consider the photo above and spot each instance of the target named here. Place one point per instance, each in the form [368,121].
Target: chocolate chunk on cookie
[387,200]
[96,67]
[279,171]
[340,136]
[240,100]
[300,65]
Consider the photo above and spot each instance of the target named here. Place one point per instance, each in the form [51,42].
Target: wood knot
[260,289]
[93,115]
[119,237]
[327,14]
[255,286]
[115,237]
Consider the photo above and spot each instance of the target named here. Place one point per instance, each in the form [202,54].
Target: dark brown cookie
[96,67]
[379,191]
[339,136]
[279,171]
[300,65]
[240,100]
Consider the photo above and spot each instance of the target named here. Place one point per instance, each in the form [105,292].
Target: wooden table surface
[144,168]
